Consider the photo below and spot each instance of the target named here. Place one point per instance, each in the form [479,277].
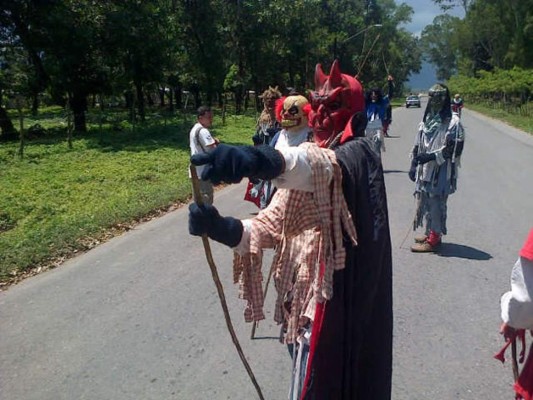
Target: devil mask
[336,98]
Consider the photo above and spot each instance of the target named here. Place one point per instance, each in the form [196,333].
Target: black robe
[352,358]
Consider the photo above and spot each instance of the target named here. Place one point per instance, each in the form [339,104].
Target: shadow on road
[462,251]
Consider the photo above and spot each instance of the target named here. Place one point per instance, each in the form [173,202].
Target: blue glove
[205,220]
[424,158]
[412,171]
[231,163]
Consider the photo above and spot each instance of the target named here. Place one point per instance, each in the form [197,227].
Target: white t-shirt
[199,143]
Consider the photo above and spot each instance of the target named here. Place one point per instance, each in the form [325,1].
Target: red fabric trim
[527,249]
[347,134]
[315,335]
[279,107]
[248,196]
[524,385]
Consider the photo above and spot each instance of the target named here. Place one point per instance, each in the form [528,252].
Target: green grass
[57,201]
[522,122]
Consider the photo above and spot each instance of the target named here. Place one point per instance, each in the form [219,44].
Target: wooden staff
[220,289]
[255,323]
[514,361]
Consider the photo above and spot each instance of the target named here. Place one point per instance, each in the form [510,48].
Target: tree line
[69,51]
[488,53]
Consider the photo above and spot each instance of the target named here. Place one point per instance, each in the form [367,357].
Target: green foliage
[439,42]
[78,48]
[509,91]
[57,200]
[493,34]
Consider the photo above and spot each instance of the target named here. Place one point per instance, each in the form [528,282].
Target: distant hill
[423,80]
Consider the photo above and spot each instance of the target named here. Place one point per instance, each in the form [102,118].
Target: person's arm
[454,141]
[452,147]
[414,163]
[266,227]
[517,304]
[207,141]
[298,173]
[290,166]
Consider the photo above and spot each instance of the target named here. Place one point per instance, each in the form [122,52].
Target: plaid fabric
[293,277]
[306,228]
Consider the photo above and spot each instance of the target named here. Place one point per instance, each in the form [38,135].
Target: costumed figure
[292,113]
[267,126]
[294,272]
[435,159]
[336,187]
[378,114]
[517,317]
[457,104]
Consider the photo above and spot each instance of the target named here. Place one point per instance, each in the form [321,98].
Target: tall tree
[440,44]
[140,35]
[446,5]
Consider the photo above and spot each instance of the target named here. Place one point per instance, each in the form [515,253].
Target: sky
[424,12]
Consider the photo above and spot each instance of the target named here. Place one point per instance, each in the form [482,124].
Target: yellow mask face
[292,115]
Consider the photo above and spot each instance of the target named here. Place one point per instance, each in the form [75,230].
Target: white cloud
[424,13]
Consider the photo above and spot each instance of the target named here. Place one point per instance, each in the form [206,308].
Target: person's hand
[231,163]
[201,218]
[205,220]
[508,332]
[272,131]
[424,158]
[412,171]
[256,139]
[254,192]
[226,164]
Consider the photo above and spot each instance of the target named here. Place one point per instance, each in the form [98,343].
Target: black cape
[352,359]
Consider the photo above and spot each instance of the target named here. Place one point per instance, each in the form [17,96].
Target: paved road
[139,317]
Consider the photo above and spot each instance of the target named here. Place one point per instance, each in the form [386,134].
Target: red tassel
[524,384]
[500,355]
[279,107]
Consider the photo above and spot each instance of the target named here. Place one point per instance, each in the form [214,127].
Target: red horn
[335,77]
[320,77]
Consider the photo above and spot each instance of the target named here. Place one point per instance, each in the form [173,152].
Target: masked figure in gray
[435,159]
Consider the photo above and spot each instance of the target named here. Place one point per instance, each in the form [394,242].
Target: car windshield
[412,98]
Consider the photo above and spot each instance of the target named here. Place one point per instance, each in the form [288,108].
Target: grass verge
[522,122]
[58,201]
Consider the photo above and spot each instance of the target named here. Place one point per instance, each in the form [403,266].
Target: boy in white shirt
[201,141]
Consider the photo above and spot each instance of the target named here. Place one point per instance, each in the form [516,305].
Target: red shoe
[429,245]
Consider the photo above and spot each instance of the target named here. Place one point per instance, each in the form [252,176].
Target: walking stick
[411,228]
[514,361]
[255,323]
[220,289]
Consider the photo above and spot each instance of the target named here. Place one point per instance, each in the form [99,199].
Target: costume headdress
[292,111]
[336,98]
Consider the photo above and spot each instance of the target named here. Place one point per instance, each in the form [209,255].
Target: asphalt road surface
[139,317]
